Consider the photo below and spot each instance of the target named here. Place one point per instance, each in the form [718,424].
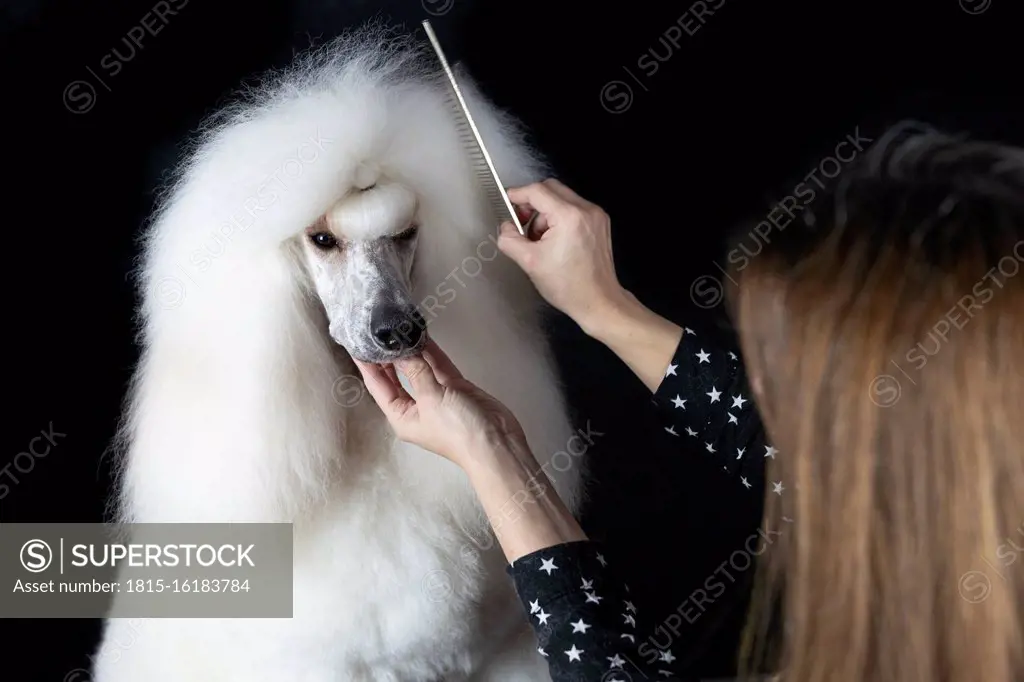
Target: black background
[737,114]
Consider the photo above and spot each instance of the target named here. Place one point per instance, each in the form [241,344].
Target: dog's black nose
[397,329]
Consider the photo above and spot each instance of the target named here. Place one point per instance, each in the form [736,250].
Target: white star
[587,584]
[542,617]
[579,626]
[616,661]
[732,356]
[733,419]
[548,565]
[745,482]
[671,370]
[769,451]
[626,586]
[574,653]
[708,445]
[667,656]
[627,636]
[629,619]
[714,395]
[600,560]
[691,432]
[630,606]
[777,487]
[679,402]
[689,331]
[616,680]
[591,597]
[702,357]
[738,400]
[542,652]
[739,452]
[535,606]
[672,430]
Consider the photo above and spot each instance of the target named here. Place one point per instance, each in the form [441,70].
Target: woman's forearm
[641,338]
[523,507]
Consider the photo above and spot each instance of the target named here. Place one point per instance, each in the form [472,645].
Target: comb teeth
[472,143]
[481,170]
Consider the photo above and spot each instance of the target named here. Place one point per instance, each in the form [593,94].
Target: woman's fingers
[421,377]
[393,376]
[524,212]
[387,393]
[539,196]
[444,369]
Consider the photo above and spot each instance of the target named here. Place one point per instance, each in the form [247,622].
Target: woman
[905,489]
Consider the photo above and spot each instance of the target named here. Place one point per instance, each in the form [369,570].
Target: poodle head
[360,257]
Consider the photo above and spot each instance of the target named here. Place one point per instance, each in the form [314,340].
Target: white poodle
[327,216]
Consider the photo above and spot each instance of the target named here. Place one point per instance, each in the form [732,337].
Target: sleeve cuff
[551,573]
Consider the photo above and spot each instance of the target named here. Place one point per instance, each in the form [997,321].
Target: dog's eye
[407,234]
[323,240]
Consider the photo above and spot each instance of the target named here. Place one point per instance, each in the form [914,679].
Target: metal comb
[473,142]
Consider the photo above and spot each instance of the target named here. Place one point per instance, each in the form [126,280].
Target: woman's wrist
[614,314]
[524,509]
[641,338]
[608,313]
[492,457]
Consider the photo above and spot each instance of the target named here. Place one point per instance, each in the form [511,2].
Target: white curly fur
[235,412]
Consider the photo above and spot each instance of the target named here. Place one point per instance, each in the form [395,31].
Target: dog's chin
[379,356]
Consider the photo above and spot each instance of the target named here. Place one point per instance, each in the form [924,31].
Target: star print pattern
[590,630]
[704,395]
[586,628]
[580,626]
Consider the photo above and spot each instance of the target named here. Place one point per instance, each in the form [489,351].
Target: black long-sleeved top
[577,601]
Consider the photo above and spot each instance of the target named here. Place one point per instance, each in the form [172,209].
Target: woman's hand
[448,414]
[571,265]
[570,261]
[452,417]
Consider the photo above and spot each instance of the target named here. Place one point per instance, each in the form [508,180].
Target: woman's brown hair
[883,329]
